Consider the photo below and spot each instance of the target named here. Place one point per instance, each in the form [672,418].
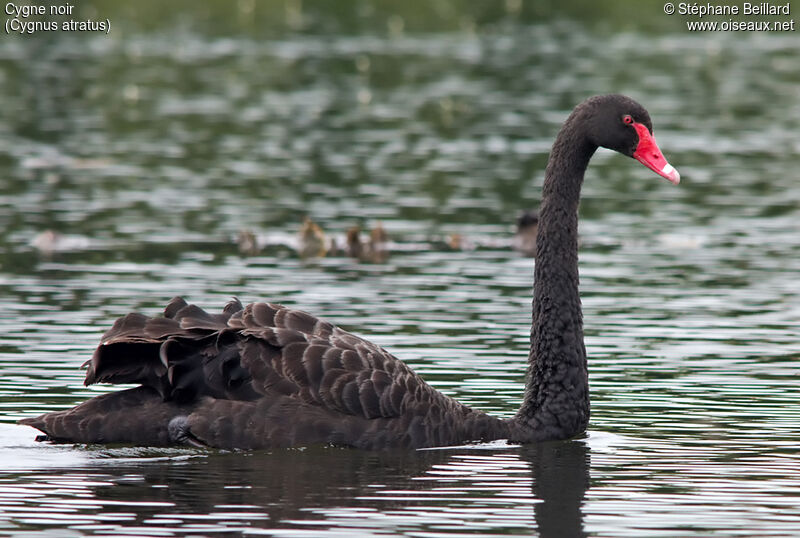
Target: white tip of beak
[671,174]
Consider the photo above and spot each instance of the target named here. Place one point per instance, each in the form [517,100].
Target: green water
[130,162]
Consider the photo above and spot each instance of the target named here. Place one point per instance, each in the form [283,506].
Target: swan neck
[556,400]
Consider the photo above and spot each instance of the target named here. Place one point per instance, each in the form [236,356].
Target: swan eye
[627,119]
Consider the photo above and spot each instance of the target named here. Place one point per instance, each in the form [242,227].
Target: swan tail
[136,416]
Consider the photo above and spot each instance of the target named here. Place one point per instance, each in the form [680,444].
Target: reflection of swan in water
[560,480]
[539,486]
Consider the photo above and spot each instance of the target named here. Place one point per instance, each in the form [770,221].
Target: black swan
[265,376]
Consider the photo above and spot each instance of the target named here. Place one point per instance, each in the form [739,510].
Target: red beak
[648,154]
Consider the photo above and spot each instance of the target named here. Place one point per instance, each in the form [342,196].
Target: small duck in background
[50,242]
[375,249]
[378,243]
[311,242]
[353,246]
[457,241]
[247,242]
[525,237]
[47,242]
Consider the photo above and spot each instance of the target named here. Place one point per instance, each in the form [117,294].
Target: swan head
[619,123]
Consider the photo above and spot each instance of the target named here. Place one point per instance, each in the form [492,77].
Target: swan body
[268,376]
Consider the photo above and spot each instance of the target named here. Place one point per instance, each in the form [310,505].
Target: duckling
[456,242]
[50,242]
[527,229]
[354,247]
[247,242]
[375,249]
[378,244]
[312,242]
[47,242]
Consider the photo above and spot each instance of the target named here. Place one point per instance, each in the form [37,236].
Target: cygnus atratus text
[269,376]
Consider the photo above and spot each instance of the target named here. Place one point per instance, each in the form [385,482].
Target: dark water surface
[129,164]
